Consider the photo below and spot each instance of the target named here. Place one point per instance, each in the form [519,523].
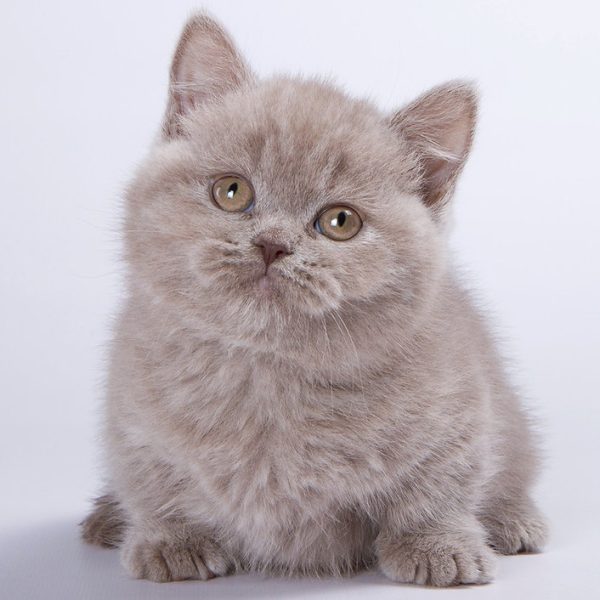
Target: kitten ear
[439,125]
[205,67]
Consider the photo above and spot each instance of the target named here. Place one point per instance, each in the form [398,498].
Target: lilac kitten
[298,382]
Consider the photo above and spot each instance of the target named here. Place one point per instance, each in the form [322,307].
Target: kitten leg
[105,525]
[172,552]
[514,525]
[448,553]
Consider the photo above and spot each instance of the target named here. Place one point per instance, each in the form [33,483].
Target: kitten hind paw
[105,525]
[512,529]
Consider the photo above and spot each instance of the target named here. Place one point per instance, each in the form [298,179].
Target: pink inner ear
[185,94]
[184,102]
[438,171]
[191,70]
[457,137]
[447,154]
[187,102]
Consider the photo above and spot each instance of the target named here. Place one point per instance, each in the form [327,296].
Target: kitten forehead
[302,140]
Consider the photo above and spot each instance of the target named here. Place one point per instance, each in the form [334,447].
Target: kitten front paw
[164,561]
[438,559]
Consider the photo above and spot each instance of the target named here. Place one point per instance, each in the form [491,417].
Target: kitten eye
[338,223]
[233,193]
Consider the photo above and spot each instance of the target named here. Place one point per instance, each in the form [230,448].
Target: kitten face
[303,147]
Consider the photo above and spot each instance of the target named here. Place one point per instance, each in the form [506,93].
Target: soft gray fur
[341,407]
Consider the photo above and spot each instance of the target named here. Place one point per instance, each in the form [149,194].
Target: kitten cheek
[368,276]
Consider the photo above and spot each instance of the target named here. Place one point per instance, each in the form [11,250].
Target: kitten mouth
[266,284]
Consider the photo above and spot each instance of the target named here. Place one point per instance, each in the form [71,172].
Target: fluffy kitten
[298,383]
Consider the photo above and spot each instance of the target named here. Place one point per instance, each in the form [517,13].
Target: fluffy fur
[350,412]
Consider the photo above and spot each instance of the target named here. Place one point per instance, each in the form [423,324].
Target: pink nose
[271,251]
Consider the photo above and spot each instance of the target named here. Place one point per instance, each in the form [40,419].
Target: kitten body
[341,407]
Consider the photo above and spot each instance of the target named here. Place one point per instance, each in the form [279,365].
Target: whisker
[335,314]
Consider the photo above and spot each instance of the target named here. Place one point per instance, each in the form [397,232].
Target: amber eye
[233,193]
[339,223]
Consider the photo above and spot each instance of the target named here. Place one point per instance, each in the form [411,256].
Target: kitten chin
[267,285]
[298,381]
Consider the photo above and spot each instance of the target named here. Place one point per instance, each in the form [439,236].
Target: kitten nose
[271,250]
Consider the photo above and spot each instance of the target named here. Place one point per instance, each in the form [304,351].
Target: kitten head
[273,204]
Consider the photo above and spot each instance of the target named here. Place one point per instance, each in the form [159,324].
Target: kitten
[298,382]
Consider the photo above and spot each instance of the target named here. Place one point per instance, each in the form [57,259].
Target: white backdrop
[83,89]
